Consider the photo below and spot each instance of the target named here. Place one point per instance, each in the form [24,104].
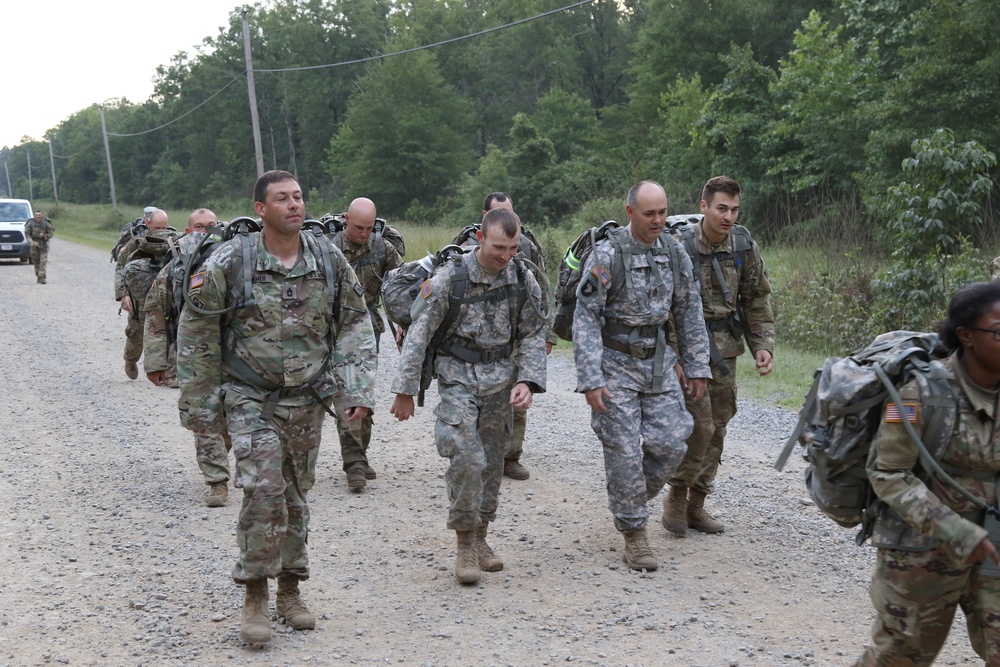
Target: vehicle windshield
[11,211]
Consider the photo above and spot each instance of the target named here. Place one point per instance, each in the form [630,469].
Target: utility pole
[107,154]
[251,91]
[52,163]
[31,190]
[10,192]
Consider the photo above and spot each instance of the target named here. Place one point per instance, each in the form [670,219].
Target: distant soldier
[492,357]
[157,220]
[39,230]
[371,258]
[160,361]
[269,369]
[625,367]
[995,269]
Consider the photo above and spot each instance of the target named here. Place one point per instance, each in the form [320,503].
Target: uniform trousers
[275,467]
[474,433]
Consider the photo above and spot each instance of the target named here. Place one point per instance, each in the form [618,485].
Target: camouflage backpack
[842,413]
[401,285]
[152,254]
[576,257]
[128,231]
[528,245]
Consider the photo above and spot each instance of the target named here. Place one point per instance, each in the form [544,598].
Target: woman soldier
[951,561]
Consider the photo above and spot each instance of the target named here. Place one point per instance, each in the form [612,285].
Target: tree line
[813,106]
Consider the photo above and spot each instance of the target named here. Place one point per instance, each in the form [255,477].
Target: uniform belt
[719,325]
[637,352]
[477,356]
[619,328]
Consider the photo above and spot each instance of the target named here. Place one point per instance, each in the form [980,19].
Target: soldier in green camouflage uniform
[39,230]
[627,370]
[160,360]
[726,280]
[370,263]
[947,558]
[269,370]
[994,269]
[483,368]
[136,315]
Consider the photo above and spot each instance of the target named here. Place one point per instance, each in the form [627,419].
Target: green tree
[930,215]
[406,140]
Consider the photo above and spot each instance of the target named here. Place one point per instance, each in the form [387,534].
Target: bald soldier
[371,257]
[156,221]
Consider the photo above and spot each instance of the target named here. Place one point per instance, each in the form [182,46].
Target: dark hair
[495,196]
[723,184]
[508,221]
[268,177]
[967,305]
[633,192]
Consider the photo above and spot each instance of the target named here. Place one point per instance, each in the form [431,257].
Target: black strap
[275,392]
[475,355]
[637,352]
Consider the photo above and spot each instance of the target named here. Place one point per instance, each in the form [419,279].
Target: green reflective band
[571,261]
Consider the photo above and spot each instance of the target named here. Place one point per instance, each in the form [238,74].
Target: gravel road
[111,558]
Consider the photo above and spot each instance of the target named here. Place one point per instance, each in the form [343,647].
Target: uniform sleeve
[591,299]
[531,363]
[688,321]
[891,461]
[199,352]
[154,338]
[419,334]
[757,304]
[123,256]
[354,360]
[50,230]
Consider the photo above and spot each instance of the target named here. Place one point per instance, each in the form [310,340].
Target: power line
[186,113]
[430,46]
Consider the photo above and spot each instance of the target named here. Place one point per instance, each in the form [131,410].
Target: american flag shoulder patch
[601,274]
[893,416]
[425,289]
[197,280]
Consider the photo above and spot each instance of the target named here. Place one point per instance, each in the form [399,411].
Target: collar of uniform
[977,396]
[268,262]
[636,242]
[478,275]
[705,246]
[351,248]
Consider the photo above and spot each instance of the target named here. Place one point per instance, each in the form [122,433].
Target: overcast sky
[61,56]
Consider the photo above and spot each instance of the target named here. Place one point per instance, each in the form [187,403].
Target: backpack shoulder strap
[459,285]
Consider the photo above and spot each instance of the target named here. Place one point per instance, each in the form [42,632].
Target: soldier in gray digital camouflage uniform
[269,369]
[633,381]
[492,359]
[370,262]
[160,359]
[156,221]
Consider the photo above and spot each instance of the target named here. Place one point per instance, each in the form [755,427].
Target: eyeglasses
[995,332]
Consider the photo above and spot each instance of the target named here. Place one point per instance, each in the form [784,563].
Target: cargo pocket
[447,430]
[897,614]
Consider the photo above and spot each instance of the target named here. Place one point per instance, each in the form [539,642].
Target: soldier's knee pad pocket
[449,418]
[897,614]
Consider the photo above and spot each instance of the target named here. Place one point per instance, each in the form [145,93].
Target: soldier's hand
[696,388]
[356,413]
[402,407]
[763,359]
[984,550]
[548,347]
[127,304]
[157,377]
[521,396]
[595,398]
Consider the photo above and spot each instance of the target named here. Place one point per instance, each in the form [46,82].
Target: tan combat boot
[217,495]
[290,605]
[466,558]
[488,561]
[638,555]
[131,370]
[675,511]
[256,624]
[698,518]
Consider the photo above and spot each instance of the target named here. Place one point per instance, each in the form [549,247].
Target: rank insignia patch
[892,415]
[197,280]
[425,289]
[601,274]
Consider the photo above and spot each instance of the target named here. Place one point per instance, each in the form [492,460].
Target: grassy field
[98,227]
